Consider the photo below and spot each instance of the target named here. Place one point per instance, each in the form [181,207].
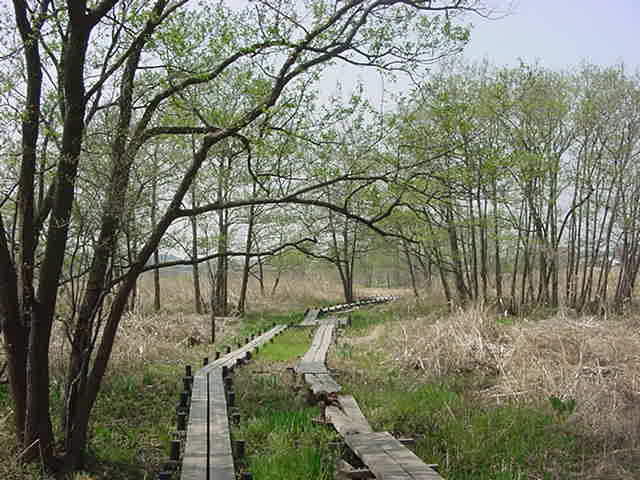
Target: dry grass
[594,361]
[297,289]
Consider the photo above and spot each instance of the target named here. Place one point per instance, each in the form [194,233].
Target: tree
[121,64]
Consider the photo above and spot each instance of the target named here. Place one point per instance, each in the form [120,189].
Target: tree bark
[247,261]
[194,255]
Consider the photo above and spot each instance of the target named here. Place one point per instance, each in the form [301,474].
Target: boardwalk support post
[239,449]
[174,455]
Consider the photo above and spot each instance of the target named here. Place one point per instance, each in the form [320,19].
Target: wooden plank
[388,459]
[303,367]
[311,318]
[221,456]
[194,459]
[214,435]
[312,364]
[321,383]
[333,320]
[317,352]
[384,456]
[347,418]
[230,359]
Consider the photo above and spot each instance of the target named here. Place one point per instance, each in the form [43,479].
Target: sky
[558,34]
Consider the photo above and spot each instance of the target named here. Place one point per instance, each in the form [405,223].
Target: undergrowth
[133,421]
[484,398]
[276,422]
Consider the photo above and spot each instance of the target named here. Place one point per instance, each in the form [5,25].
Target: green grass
[133,421]
[289,345]
[282,439]
[468,439]
[283,442]
[362,321]
[255,323]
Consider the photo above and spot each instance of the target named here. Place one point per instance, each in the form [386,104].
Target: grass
[291,344]
[134,418]
[485,397]
[468,440]
[551,398]
[276,422]
[363,321]
[465,437]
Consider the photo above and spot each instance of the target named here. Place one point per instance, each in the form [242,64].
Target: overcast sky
[561,33]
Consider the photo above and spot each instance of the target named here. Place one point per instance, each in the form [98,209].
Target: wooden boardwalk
[313,316]
[310,318]
[230,359]
[314,360]
[385,457]
[312,366]
[388,459]
[208,454]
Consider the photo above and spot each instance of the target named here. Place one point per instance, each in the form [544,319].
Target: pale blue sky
[561,33]
[558,34]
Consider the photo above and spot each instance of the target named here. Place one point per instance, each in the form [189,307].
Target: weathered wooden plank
[213,432]
[347,418]
[333,320]
[312,364]
[303,367]
[388,459]
[208,439]
[230,359]
[195,451]
[321,383]
[221,460]
[311,318]
[313,361]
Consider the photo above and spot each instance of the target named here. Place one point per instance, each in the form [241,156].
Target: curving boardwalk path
[385,457]
[208,452]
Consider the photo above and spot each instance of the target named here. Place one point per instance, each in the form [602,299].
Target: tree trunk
[412,272]
[247,261]
[194,255]
[458,273]
[156,253]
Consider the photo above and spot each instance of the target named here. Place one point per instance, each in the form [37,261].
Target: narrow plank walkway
[312,366]
[230,359]
[208,454]
[314,360]
[311,318]
[384,455]
[388,459]
[347,418]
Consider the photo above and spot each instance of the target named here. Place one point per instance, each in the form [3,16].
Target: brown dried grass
[296,290]
[592,360]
